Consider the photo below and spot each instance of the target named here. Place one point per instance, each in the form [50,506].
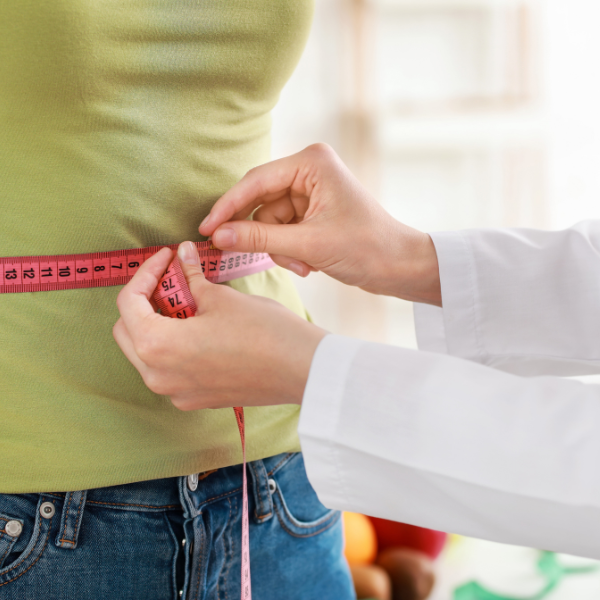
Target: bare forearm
[405,265]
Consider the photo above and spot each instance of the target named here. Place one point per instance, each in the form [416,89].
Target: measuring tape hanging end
[174,298]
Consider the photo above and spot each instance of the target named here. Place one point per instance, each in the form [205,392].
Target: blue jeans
[175,538]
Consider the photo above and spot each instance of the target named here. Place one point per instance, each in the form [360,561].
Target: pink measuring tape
[172,296]
[174,299]
[99,269]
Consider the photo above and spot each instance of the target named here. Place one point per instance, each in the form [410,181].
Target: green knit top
[121,123]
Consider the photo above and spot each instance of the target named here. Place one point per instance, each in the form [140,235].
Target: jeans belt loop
[70,521]
[263,509]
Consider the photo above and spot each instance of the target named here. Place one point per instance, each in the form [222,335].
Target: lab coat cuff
[453,328]
[321,413]
[429,327]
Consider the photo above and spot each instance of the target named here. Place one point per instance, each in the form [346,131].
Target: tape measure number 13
[175,300]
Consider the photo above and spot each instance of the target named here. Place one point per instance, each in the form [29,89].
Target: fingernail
[224,238]
[188,254]
[206,220]
[296,268]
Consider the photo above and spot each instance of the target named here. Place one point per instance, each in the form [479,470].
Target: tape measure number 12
[24,274]
[175,300]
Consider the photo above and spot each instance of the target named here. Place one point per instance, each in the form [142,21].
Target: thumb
[187,253]
[253,236]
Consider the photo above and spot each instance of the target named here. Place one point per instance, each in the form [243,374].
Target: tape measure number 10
[25,274]
[175,300]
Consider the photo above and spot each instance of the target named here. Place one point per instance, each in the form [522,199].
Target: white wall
[484,113]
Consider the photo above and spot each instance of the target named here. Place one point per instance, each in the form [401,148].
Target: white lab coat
[480,434]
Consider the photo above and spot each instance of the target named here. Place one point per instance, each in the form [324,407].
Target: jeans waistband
[188,493]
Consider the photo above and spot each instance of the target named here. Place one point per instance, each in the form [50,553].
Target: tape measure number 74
[175,300]
[22,274]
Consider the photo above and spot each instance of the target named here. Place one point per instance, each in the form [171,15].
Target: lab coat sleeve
[449,444]
[523,301]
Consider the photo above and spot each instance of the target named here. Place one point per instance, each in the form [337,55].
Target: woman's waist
[78,200]
[123,436]
[165,493]
[64,339]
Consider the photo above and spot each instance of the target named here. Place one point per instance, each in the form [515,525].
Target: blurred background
[455,114]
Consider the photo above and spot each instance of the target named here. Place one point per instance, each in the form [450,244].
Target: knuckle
[214,300]
[180,404]
[250,172]
[195,277]
[156,383]
[120,299]
[258,238]
[115,330]
[149,349]
[322,150]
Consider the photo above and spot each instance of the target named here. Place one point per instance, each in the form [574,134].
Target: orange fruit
[360,539]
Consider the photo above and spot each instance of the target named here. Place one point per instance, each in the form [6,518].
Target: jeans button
[192,482]
[272,486]
[13,528]
[47,510]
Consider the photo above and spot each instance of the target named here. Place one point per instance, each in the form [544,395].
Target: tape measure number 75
[175,300]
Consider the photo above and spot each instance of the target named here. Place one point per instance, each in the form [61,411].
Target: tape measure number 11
[175,300]
[25,274]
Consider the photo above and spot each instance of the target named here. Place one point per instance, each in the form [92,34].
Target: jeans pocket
[20,552]
[296,503]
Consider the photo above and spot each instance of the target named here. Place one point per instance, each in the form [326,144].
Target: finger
[295,266]
[253,236]
[262,184]
[189,260]
[265,200]
[277,212]
[281,207]
[134,300]
[125,342]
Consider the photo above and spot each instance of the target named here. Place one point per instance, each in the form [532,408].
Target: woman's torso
[122,123]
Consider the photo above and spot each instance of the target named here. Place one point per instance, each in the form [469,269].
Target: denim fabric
[161,540]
